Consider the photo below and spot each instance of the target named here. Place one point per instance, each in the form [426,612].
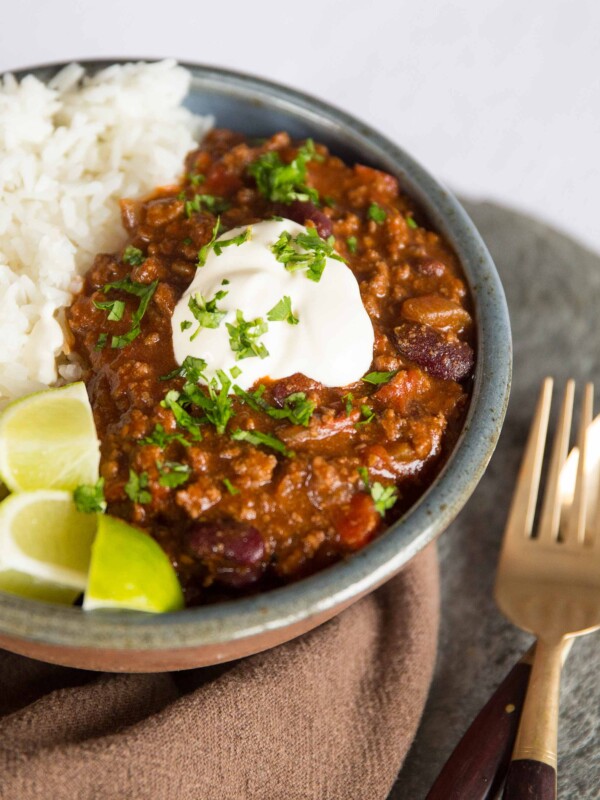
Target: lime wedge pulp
[44,536]
[24,585]
[130,570]
[48,440]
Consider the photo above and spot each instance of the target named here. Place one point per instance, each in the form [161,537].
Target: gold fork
[548,583]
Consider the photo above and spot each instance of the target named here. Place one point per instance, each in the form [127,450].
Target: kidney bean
[436,311]
[232,551]
[302,211]
[433,352]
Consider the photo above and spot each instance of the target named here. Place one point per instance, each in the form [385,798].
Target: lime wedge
[130,570]
[48,440]
[24,585]
[43,535]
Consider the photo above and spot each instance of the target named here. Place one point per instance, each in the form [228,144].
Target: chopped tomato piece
[403,389]
[357,526]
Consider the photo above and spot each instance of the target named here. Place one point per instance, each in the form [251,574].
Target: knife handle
[477,766]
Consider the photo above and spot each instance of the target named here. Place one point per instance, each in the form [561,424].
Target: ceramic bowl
[137,642]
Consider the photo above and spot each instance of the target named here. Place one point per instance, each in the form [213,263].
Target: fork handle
[532,771]
[478,763]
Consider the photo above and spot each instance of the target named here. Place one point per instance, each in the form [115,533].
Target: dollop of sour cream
[332,342]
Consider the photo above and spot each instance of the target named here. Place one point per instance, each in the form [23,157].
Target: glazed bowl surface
[137,642]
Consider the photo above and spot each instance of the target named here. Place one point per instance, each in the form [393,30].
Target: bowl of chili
[238,626]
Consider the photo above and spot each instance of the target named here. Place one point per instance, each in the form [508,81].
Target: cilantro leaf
[305,251]
[282,312]
[296,407]
[217,405]
[191,369]
[244,335]
[142,290]
[216,205]
[133,256]
[376,213]
[284,183]
[205,311]
[349,399]
[230,487]
[384,497]
[89,498]
[196,179]
[237,240]
[380,377]
[136,487]
[205,249]
[368,415]
[115,308]
[257,437]
[411,222]
[182,417]
[352,243]
[160,438]
[173,473]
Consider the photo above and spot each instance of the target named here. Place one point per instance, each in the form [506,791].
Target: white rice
[69,151]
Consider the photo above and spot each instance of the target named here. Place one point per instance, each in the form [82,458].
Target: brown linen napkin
[329,715]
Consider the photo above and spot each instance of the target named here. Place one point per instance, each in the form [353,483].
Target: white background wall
[499,98]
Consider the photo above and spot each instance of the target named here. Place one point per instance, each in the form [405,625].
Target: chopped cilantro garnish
[384,497]
[182,417]
[235,371]
[376,213]
[282,312]
[101,343]
[411,222]
[160,438]
[352,243]
[89,498]
[380,377]
[115,308]
[136,487]
[133,256]
[196,179]
[329,201]
[305,251]
[256,437]
[142,290]
[367,414]
[243,336]
[284,183]
[217,406]
[187,241]
[191,369]
[204,250]
[216,205]
[172,473]
[349,399]
[230,487]
[296,407]
[185,325]
[237,240]
[205,311]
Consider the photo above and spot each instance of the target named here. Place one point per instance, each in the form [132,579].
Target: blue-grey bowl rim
[381,559]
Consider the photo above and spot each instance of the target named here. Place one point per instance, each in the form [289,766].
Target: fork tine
[550,515]
[576,524]
[522,508]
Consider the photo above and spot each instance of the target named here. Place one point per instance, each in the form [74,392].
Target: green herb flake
[256,438]
[101,343]
[230,487]
[376,213]
[205,312]
[296,407]
[282,312]
[142,290]
[411,222]
[216,205]
[89,498]
[219,246]
[306,251]
[185,325]
[182,417]
[191,369]
[196,179]
[217,405]
[367,414]
[136,487]
[348,399]
[160,438]
[172,473]
[284,183]
[115,308]
[205,249]
[187,241]
[235,372]
[329,201]
[244,335]
[377,378]
[384,497]
[352,243]
[133,256]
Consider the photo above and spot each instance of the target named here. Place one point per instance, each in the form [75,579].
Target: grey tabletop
[553,290]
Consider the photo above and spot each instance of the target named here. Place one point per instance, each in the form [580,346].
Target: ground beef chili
[242,517]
